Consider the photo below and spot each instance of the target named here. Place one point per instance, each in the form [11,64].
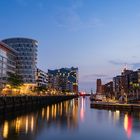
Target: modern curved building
[26,57]
[7,62]
[64,79]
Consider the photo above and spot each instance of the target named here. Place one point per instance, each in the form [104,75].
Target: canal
[70,120]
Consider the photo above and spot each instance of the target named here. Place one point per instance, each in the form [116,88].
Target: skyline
[90,35]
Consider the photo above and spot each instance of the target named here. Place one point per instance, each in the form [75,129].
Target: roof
[22,38]
[7,47]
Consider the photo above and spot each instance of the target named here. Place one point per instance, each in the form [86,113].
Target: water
[71,120]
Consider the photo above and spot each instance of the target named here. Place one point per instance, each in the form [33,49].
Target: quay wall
[111,106]
[17,102]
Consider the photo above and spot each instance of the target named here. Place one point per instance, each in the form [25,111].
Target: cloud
[72,21]
[94,77]
[133,65]
[134,56]
[116,62]
[69,18]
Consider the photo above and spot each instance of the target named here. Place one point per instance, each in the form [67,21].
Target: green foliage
[40,89]
[14,80]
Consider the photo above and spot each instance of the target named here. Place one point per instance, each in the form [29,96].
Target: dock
[115,106]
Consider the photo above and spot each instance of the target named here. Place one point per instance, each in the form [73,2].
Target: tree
[136,89]
[40,89]
[14,80]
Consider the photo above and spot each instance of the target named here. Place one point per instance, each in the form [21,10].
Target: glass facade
[64,79]
[26,57]
[7,62]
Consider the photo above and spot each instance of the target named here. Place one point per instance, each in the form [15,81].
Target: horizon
[99,37]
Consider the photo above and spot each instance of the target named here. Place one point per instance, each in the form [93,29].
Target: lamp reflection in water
[18,123]
[5,129]
[27,125]
[128,125]
[116,116]
[43,113]
[82,110]
[58,115]
[48,112]
[32,123]
[53,111]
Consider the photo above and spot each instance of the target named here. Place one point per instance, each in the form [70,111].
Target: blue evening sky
[97,36]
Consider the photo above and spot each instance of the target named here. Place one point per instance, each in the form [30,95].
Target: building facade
[99,86]
[108,89]
[65,79]
[7,62]
[126,80]
[117,86]
[41,78]
[134,83]
[26,57]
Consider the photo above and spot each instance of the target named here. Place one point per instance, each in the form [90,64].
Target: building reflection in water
[82,110]
[63,116]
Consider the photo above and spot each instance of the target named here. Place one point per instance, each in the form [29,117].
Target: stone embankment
[115,106]
[19,102]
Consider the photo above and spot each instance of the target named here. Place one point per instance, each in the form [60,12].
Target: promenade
[115,106]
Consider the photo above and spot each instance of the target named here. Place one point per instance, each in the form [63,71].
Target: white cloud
[69,18]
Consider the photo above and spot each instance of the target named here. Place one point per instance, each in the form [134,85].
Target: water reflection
[82,109]
[71,120]
[125,118]
[128,125]
[5,129]
[115,116]
[61,116]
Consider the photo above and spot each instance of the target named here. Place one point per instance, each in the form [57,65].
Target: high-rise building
[134,77]
[117,85]
[98,86]
[126,80]
[134,81]
[7,62]
[26,57]
[108,89]
[65,79]
[121,83]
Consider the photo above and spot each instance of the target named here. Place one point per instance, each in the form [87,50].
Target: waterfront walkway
[115,106]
